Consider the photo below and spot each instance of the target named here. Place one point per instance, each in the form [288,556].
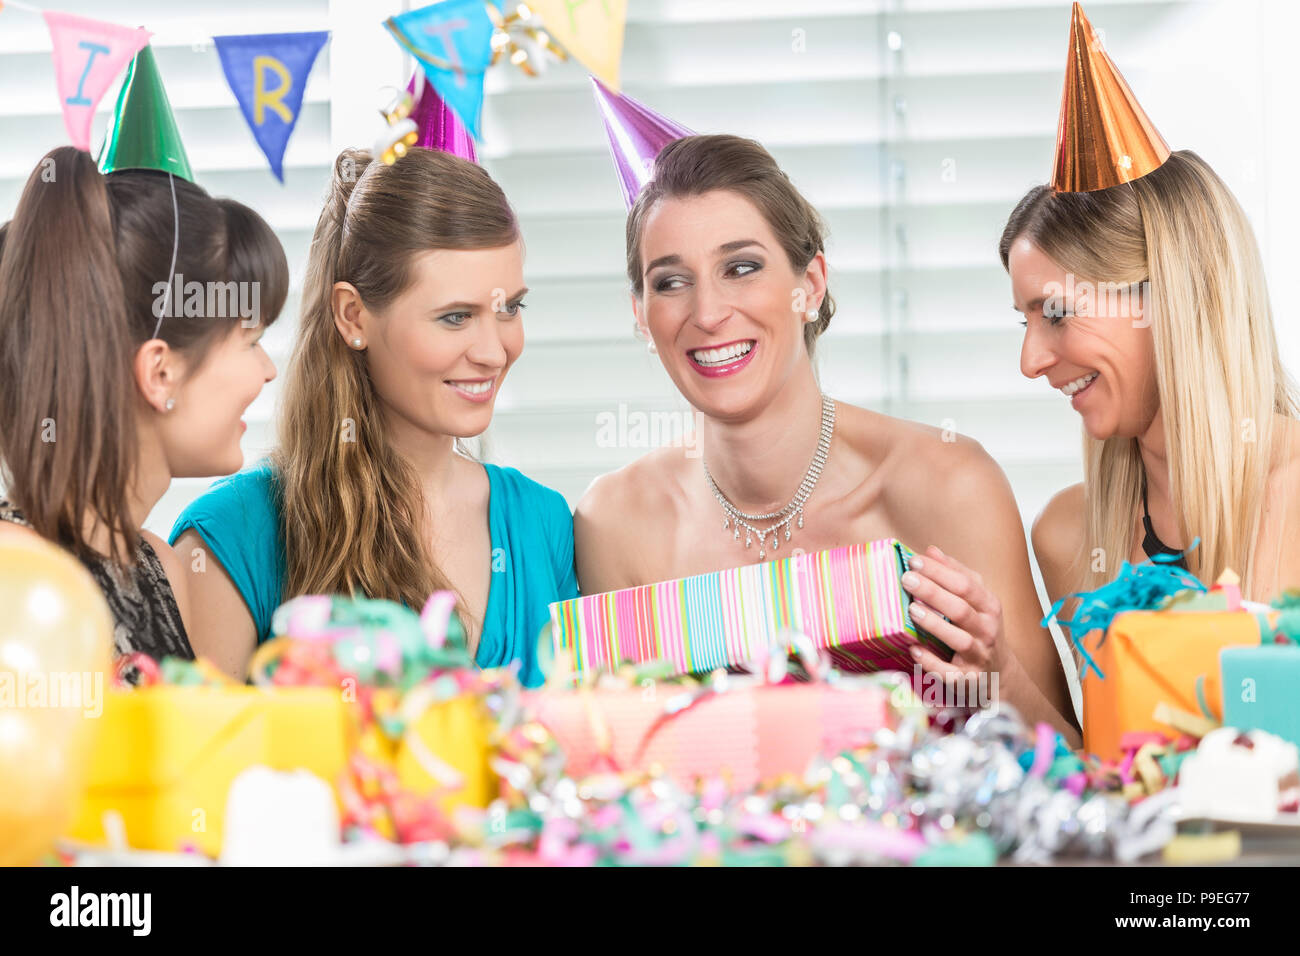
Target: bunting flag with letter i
[453,42]
[88,56]
[268,72]
[591,30]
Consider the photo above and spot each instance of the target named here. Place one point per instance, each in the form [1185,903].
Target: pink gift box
[751,733]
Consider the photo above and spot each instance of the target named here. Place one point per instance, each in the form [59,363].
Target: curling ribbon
[1137,587]
[528,55]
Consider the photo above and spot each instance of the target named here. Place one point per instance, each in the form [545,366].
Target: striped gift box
[848,600]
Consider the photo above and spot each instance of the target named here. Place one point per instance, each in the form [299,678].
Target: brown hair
[1219,375]
[352,511]
[79,265]
[696,165]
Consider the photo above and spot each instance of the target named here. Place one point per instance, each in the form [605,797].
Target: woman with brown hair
[411,319]
[109,386]
[729,285]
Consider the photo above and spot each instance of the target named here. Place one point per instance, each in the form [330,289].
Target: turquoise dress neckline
[531,563]
[494,518]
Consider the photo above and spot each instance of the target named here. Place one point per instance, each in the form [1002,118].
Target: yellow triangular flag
[590,30]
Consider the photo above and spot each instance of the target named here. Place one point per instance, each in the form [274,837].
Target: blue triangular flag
[268,74]
[452,40]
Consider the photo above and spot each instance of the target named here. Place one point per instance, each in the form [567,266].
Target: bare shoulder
[1058,528]
[175,569]
[221,627]
[923,465]
[639,485]
[617,512]
[1284,474]
[1058,538]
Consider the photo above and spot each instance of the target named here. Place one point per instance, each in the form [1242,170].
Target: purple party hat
[439,126]
[636,134]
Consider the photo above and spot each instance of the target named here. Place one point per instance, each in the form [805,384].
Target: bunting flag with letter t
[452,40]
[268,72]
[591,30]
[88,56]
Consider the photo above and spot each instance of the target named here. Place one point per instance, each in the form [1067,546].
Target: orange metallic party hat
[1104,137]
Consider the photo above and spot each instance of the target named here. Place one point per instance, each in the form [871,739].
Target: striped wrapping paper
[848,600]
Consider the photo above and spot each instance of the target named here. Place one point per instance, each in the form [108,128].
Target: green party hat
[142,133]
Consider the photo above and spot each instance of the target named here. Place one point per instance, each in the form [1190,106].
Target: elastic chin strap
[176,242]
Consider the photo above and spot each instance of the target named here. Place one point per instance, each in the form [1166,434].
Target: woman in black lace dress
[114,381]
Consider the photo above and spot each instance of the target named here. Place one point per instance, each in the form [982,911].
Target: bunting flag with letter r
[268,72]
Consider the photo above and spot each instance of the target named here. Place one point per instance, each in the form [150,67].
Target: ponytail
[327,240]
[68,431]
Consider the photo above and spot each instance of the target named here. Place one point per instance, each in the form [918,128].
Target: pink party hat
[439,127]
[636,135]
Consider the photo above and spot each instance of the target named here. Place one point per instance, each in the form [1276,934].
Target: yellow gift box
[450,738]
[166,756]
[1152,658]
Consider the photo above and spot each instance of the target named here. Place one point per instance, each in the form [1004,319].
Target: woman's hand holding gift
[942,587]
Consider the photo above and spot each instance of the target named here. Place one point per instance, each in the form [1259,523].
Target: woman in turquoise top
[410,321]
[238,518]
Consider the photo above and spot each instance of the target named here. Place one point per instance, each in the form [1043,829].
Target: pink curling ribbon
[1044,751]
[1077,783]
[867,839]
[145,666]
[1126,768]
[388,654]
[436,616]
[310,618]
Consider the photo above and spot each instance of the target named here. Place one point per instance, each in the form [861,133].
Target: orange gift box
[1154,657]
[752,734]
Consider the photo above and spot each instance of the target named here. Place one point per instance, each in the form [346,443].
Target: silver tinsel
[972,778]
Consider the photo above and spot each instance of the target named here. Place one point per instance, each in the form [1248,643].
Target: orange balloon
[56,638]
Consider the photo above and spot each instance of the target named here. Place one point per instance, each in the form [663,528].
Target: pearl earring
[812,315]
[356,343]
[169,404]
[650,347]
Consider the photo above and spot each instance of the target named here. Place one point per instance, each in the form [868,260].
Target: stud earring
[650,347]
[356,343]
[812,315]
[169,404]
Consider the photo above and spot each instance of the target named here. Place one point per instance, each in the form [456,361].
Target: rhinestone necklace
[736,519]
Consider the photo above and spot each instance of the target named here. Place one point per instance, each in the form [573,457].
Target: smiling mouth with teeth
[1078,385]
[474,391]
[719,357]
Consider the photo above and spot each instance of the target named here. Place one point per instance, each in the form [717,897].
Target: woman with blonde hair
[411,319]
[1145,304]
[730,287]
[1172,363]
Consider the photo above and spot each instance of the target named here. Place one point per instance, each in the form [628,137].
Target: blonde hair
[1218,372]
[352,512]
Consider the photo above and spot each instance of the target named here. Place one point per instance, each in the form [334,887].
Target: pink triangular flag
[88,56]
